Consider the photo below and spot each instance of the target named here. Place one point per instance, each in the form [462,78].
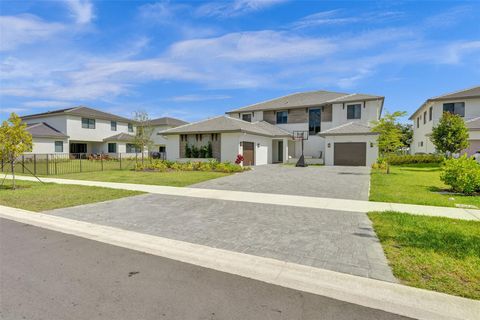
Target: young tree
[14,141]
[143,134]
[450,135]
[407,134]
[390,133]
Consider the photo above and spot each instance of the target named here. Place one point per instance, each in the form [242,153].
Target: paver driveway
[339,241]
[315,181]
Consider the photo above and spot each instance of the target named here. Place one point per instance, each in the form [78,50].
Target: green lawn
[417,184]
[36,196]
[433,253]
[169,178]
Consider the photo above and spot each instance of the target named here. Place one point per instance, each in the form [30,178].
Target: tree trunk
[12,165]
[388,167]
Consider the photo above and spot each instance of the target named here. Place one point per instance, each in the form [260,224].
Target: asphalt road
[50,275]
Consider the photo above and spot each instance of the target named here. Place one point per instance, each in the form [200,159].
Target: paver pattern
[314,181]
[334,240]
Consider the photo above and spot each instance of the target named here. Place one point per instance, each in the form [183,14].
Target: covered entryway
[248,153]
[350,154]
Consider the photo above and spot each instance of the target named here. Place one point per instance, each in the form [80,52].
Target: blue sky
[194,60]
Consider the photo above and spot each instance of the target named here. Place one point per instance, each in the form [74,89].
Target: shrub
[228,167]
[462,174]
[417,158]
[188,151]
[195,152]
[239,159]
[209,150]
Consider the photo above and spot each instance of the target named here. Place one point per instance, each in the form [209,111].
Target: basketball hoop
[300,136]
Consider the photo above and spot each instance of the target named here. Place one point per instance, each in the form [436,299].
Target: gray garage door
[350,154]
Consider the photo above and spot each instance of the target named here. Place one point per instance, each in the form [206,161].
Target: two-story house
[465,103]
[83,130]
[337,127]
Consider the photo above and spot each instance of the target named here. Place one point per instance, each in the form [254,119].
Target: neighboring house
[83,130]
[161,124]
[338,125]
[465,103]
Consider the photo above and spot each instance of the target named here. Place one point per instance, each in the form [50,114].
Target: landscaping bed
[36,196]
[433,253]
[416,184]
[206,166]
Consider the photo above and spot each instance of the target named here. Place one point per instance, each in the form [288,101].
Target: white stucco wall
[229,146]
[172,144]
[102,129]
[421,134]
[256,115]
[372,152]
[47,145]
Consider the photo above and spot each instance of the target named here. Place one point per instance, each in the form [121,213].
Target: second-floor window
[314,121]
[130,127]
[113,125]
[247,117]
[424,117]
[282,117]
[354,111]
[455,108]
[88,123]
[418,122]
[430,114]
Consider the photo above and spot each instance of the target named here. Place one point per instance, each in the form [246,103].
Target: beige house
[465,103]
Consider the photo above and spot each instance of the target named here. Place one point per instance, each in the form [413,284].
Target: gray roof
[80,111]
[473,124]
[228,124]
[167,121]
[43,130]
[347,129]
[121,137]
[306,99]
[469,93]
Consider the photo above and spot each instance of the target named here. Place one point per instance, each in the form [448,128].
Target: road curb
[393,298]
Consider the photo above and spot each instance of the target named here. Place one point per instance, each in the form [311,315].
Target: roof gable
[81,111]
[43,130]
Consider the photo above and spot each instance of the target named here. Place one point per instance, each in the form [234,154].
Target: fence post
[55,164]
[35,164]
[101,160]
[120,157]
[23,163]
[80,162]
[48,171]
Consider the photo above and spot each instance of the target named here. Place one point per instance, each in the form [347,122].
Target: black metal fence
[55,164]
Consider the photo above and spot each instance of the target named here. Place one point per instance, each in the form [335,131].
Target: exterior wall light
[329,145]
[258,145]
[241,143]
[371,144]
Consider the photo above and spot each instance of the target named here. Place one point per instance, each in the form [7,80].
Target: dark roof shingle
[43,130]
[351,128]
[81,111]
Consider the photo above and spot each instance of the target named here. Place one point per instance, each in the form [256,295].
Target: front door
[280,151]
[248,153]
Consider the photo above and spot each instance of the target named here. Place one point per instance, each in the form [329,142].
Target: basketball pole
[301,161]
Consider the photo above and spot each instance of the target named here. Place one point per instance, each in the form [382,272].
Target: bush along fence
[54,164]
[211,165]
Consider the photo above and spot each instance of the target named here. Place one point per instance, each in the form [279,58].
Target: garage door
[350,154]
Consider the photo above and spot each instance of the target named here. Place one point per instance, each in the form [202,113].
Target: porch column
[285,150]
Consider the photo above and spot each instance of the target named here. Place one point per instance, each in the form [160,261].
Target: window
[424,117]
[247,117]
[88,123]
[161,149]
[455,108]
[130,127]
[131,148]
[354,111]
[430,114]
[112,148]
[314,121]
[113,125]
[282,116]
[58,146]
[418,122]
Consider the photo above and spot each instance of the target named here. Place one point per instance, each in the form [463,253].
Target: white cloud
[81,10]
[225,9]
[24,29]
[46,103]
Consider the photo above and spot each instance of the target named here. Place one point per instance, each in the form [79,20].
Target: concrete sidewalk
[394,299]
[279,199]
